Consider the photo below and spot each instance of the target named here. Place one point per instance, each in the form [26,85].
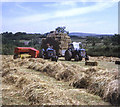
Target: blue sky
[42,17]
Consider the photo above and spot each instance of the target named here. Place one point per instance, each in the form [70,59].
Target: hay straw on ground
[66,75]
[112,92]
[10,79]
[21,82]
[80,81]
[5,72]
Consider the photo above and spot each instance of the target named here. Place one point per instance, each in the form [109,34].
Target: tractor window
[76,45]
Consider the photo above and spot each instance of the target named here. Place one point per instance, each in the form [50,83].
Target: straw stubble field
[33,81]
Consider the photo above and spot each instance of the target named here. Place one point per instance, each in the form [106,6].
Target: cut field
[41,82]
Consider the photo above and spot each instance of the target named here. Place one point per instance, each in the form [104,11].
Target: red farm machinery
[25,51]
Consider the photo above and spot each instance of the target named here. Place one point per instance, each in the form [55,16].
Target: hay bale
[91,63]
[80,81]
[59,41]
[117,62]
[112,92]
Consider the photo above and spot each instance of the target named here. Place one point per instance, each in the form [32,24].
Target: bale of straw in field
[91,63]
[117,62]
[112,92]
[80,80]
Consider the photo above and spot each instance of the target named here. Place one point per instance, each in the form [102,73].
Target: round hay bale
[112,92]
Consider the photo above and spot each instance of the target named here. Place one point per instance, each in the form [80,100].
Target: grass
[101,64]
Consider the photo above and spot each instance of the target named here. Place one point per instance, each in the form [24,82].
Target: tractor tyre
[80,58]
[41,54]
[15,56]
[87,58]
[54,58]
[68,55]
[76,58]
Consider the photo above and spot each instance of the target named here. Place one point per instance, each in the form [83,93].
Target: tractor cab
[83,52]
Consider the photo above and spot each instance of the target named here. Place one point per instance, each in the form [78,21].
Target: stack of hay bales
[59,41]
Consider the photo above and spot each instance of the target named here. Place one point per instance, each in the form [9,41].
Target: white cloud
[62,3]
[62,14]
[47,21]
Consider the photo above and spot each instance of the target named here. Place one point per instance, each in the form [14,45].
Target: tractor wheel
[87,58]
[80,58]
[54,53]
[76,58]
[68,55]
[41,54]
[54,58]
[15,56]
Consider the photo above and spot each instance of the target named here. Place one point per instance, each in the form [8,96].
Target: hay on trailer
[81,80]
[112,92]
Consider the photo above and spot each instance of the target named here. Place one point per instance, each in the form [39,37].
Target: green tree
[61,30]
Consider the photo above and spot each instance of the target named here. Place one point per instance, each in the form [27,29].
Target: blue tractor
[76,51]
[49,53]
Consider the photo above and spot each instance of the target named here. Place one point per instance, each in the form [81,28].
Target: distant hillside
[79,34]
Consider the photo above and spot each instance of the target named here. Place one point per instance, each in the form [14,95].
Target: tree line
[95,46]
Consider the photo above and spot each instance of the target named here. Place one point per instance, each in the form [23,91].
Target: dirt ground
[24,83]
